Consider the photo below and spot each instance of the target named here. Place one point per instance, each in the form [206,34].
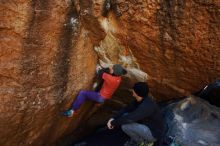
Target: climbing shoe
[68,113]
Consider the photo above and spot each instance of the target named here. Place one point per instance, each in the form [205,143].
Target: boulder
[193,121]
[211,93]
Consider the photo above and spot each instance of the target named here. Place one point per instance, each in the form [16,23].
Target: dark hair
[124,72]
[141,89]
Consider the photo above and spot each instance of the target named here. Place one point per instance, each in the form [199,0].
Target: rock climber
[111,79]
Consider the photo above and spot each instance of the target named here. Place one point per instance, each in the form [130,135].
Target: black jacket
[145,112]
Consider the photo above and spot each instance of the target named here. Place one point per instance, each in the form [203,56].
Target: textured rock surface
[46,57]
[193,121]
[49,50]
[175,42]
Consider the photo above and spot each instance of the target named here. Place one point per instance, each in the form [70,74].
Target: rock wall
[46,58]
[49,50]
[175,42]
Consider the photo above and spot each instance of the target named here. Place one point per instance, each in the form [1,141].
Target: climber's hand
[109,125]
[98,68]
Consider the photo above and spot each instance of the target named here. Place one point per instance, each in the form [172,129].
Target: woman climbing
[111,79]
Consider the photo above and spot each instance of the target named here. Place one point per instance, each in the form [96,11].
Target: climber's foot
[68,113]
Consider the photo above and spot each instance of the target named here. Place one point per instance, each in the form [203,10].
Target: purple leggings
[86,95]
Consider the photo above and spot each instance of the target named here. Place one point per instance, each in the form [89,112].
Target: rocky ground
[190,121]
